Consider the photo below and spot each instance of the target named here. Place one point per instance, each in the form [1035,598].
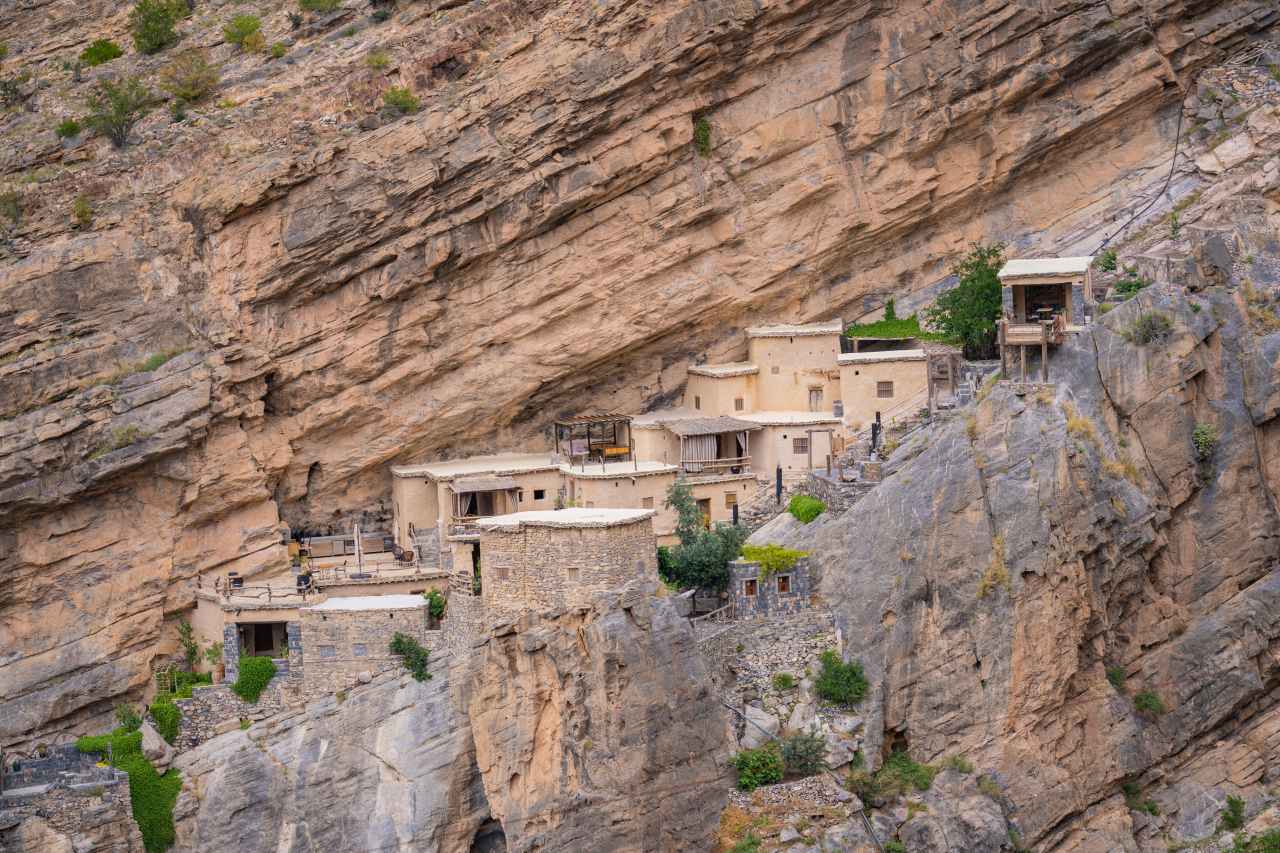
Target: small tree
[190,645]
[400,100]
[435,604]
[804,754]
[969,311]
[100,51]
[890,311]
[189,76]
[241,31]
[412,654]
[151,24]
[688,519]
[115,107]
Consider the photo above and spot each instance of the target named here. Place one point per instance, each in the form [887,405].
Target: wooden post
[809,444]
[928,380]
[1022,361]
[1044,350]
[1004,369]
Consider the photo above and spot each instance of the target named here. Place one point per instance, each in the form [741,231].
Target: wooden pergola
[603,436]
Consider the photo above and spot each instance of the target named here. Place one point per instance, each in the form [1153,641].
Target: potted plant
[213,655]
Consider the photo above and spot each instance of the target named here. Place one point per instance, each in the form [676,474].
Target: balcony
[722,467]
[465,525]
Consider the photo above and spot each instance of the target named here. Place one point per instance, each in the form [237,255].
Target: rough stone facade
[86,817]
[342,647]
[215,709]
[780,593]
[544,567]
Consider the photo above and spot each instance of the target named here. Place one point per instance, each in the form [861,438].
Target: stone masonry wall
[212,710]
[93,816]
[768,601]
[342,647]
[551,567]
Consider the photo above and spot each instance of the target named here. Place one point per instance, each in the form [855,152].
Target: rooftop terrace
[721,371]
[606,470]
[571,517]
[882,355]
[781,418]
[796,330]
[500,463]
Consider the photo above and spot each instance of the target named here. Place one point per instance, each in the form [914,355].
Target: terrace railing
[730,465]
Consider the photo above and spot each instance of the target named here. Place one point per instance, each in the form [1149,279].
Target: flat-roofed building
[797,366]
[887,381]
[1044,300]
[796,441]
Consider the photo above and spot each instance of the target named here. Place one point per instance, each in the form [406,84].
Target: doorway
[264,639]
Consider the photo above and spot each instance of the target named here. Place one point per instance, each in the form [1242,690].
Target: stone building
[783,592]
[341,638]
[885,381]
[545,560]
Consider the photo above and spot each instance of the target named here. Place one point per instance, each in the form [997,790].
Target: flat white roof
[1034,267]
[571,517]
[795,330]
[882,355]
[789,418]
[609,470]
[371,602]
[720,371]
[500,463]
[655,419]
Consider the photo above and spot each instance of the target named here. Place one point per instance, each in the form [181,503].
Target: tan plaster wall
[712,395]
[207,621]
[715,492]
[772,445]
[628,493]
[657,445]
[413,501]
[858,388]
[801,362]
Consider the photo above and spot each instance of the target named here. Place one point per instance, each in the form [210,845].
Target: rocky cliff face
[1030,575]
[347,290]
[588,729]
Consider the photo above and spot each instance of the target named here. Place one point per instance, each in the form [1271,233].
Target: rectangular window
[884,389]
[504,573]
[815,399]
[358,650]
[697,401]
[328,652]
[749,588]
[539,494]
[784,584]
[738,404]
[574,574]
[519,496]
[730,498]
[646,503]
[800,445]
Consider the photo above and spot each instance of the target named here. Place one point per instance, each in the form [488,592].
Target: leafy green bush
[772,558]
[702,136]
[1106,261]
[11,205]
[67,128]
[1205,438]
[435,603]
[255,674]
[1115,675]
[399,99]
[958,763]
[242,29]
[115,107]
[749,844]
[100,51]
[894,846]
[186,634]
[114,744]
[840,682]
[804,754]
[783,681]
[167,716]
[320,5]
[412,655]
[1267,842]
[1150,328]
[1148,702]
[1131,283]
[151,795]
[969,311]
[900,775]
[1232,815]
[129,719]
[758,767]
[278,50]
[190,76]
[702,558]
[806,507]
[893,327]
[151,24]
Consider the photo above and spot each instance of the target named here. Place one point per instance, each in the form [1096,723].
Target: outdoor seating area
[602,437]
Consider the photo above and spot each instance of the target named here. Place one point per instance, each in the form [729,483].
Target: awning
[708,426]
[464,485]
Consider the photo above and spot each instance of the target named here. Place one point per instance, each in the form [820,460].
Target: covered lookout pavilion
[1044,300]
[600,437]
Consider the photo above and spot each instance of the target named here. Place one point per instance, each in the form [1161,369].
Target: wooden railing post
[1044,350]
[1002,334]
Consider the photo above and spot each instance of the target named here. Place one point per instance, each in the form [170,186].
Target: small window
[730,498]
[646,503]
[358,650]
[800,445]
[815,399]
[504,573]
[749,588]
[574,574]
[519,496]
[784,584]
[738,404]
[884,389]
[697,401]
[328,652]
[539,494]
[775,370]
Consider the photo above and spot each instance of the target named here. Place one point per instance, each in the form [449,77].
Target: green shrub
[893,328]
[151,795]
[67,128]
[1134,800]
[82,210]
[804,754]
[783,681]
[1232,815]
[840,682]
[401,100]
[1150,328]
[1205,438]
[958,763]
[11,205]
[1149,703]
[255,674]
[894,846]
[1115,674]
[750,844]
[167,716]
[435,603]
[381,16]
[129,719]
[1106,261]
[1105,307]
[1131,283]
[900,775]
[378,60]
[758,767]
[100,51]
[113,745]
[702,136]
[278,50]
[412,655]
[1267,842]
[115,107]
[151,24]
[190,76]
[702,559]
[969,311]
[772,558]
[320,5]
[806,507]
[241,31]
